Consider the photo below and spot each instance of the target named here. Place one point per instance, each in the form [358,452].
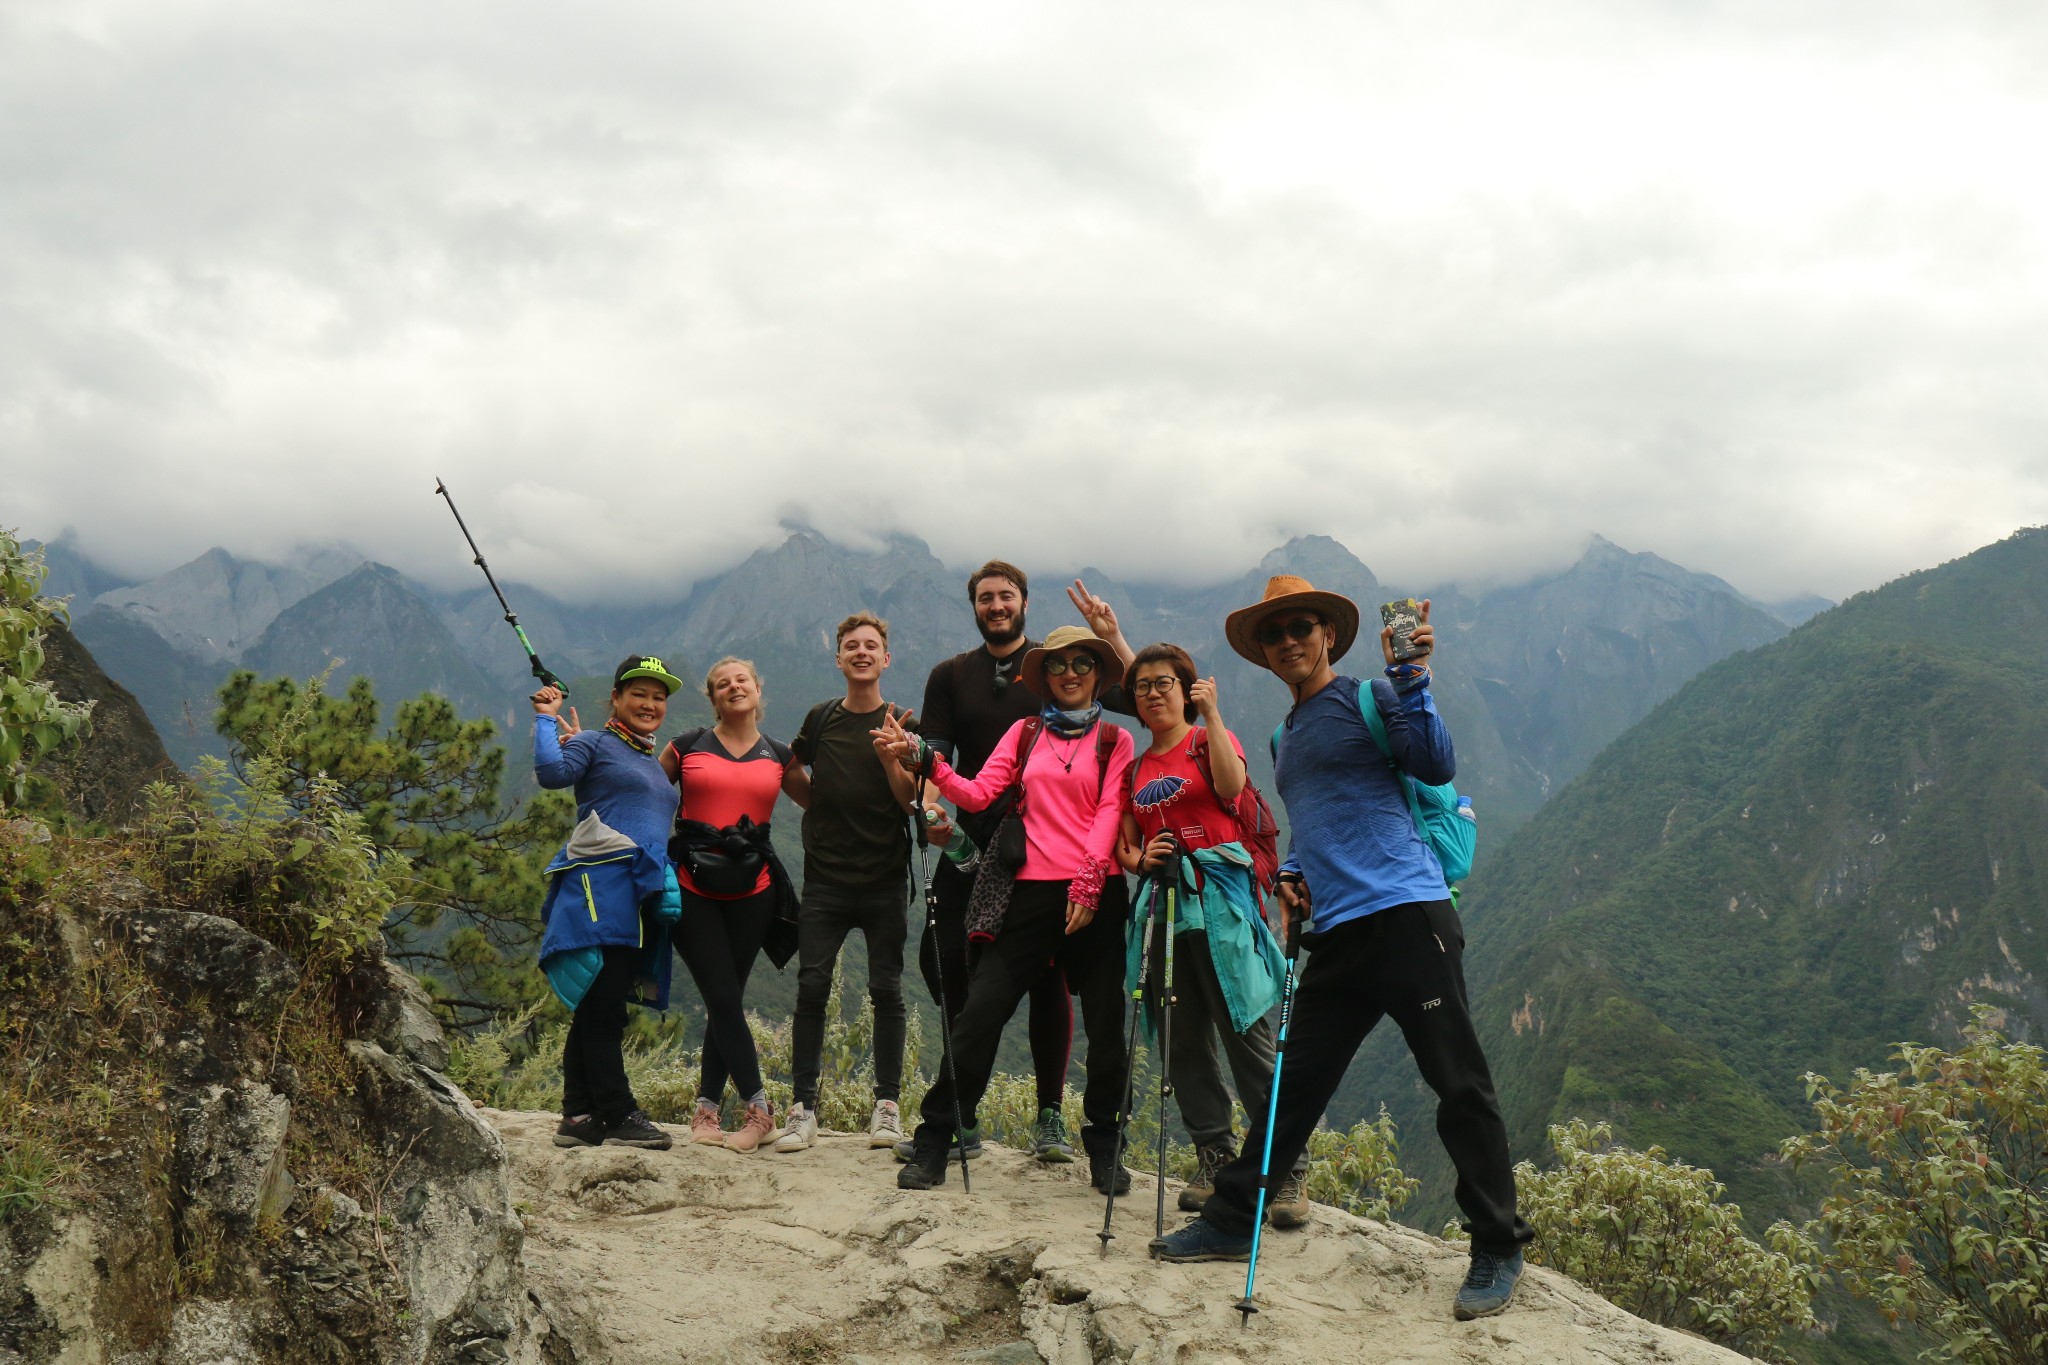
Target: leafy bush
[1359,1170]
[1653,1236]
[1938,1207]
[33,720]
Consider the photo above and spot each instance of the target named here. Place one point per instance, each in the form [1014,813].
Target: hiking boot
[1201,1240]
[582,1131]
[1100,1164]
[926,1168]
[1050,1143]
[885,1128]
[799,1129]
[1289,1206]
[758,1128]
[907,1149]
[1489,1285]
[705,1127]
[1208,1161]
[637,1130]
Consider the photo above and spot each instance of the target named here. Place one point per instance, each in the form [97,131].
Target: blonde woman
[728,776]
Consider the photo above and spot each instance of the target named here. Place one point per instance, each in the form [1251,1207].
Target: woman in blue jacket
[611,896]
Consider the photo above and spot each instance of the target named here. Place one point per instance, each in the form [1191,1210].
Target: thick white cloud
[1147,286]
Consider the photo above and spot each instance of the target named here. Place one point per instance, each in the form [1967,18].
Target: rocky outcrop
[102,776]
[699,1253]
[225,1233]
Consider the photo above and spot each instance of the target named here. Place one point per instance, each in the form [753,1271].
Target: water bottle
[1465,811]
[959,849]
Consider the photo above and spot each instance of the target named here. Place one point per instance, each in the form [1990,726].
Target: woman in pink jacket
[1066,909]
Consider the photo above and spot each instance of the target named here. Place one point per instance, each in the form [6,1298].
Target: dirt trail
[705,1255]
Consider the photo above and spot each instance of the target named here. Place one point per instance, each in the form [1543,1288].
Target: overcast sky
[1757,286]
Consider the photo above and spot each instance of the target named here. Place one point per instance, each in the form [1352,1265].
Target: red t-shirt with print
[1168,791]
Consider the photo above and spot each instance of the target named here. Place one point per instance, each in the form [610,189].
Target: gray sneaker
[885,1127]
[1049,1143]
[799,1129]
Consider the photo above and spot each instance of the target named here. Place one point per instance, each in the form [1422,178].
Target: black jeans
[593,1057]
[828,914]
[1050,1023]
[1406,962]
[718,941]
[1033,948]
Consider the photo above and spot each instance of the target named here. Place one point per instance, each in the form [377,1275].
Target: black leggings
[718,941]
[593,1059]
[1050,1024]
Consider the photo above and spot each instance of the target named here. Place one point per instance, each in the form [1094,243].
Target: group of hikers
[1039,811]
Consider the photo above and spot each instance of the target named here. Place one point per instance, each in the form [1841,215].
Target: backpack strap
[1369,708]
[814,722]
[1105,749]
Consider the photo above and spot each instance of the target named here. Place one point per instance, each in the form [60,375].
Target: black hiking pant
[827,915]
[1033,948]
[593,1055]
[1050,1024]
[1406,962]
[719,941]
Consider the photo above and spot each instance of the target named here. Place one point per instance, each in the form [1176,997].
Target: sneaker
[1489,1285]
[1289,1206]
[637,1130]
[705,1127]
[581,1131]
[926,1168]
[1208,1161]
[758,1128]
[1099,1167]
[799,1130]
[885,1129]
[1050,1143]
[1201,1240]
[906,1150]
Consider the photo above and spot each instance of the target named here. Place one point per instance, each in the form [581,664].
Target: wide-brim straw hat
[1032,671]
[1285,592]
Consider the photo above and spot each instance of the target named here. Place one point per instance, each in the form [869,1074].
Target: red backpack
[1256,828]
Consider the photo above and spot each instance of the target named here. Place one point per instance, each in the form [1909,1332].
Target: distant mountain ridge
[1535,678]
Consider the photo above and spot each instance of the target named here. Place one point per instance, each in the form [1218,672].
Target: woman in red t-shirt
[725,773]
[1187,788]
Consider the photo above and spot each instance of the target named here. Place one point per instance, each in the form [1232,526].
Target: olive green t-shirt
[854,832]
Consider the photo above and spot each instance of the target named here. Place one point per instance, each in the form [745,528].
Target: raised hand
[1422,639]
[1100,616]
[892,741]
[1203,695]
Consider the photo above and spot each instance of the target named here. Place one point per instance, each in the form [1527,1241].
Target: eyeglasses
[1081,664]
[1299,628]
[1145,687]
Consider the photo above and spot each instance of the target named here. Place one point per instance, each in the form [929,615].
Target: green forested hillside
[1814,850]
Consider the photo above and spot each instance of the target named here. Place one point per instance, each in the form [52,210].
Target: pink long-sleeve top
[1070,817]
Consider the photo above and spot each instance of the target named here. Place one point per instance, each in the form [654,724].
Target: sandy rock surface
[707,1255]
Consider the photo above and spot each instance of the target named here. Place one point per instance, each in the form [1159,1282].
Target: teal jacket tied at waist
[1248,962]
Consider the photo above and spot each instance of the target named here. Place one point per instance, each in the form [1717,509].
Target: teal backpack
[1442,817]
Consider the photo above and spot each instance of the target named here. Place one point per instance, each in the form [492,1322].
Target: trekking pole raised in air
[1169,998]
[1245,1306]
[540,670]
[1127,1098]
[931,927]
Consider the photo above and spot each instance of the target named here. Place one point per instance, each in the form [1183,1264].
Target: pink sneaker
[704,1127]
[759,1128]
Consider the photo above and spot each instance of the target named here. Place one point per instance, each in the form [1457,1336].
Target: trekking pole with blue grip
[540,670]
[1245,1306]
[1128,1097]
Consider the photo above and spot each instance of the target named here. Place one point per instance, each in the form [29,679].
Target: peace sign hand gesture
[892,741]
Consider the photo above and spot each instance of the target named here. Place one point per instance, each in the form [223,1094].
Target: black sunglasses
[1082,664]
[1299,628]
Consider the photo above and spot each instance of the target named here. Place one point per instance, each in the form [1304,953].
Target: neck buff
[644,746]
[1070,724]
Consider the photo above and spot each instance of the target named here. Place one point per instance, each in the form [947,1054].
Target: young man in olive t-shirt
[856,855]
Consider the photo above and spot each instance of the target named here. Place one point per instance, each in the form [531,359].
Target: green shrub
[1938,1206]
[1359,1170]
[34,722]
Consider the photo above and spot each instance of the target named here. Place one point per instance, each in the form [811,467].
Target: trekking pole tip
[1245,1308]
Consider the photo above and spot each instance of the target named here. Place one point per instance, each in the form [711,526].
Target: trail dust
[705,1255]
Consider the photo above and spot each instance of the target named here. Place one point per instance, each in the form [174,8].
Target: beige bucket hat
[1031,672]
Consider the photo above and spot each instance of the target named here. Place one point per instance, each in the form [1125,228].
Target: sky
[1760,287]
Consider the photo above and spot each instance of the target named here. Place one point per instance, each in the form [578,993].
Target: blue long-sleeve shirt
[1353,838]
[626,788]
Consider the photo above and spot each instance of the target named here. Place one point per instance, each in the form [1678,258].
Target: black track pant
[1406,962]
[1033,948]
[828,914]
[1051,1021]
[593,1057]
[718,941]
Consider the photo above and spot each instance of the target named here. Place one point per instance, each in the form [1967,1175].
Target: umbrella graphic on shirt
[1157,792]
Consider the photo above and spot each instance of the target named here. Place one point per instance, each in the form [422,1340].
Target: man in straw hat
[1384,937]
